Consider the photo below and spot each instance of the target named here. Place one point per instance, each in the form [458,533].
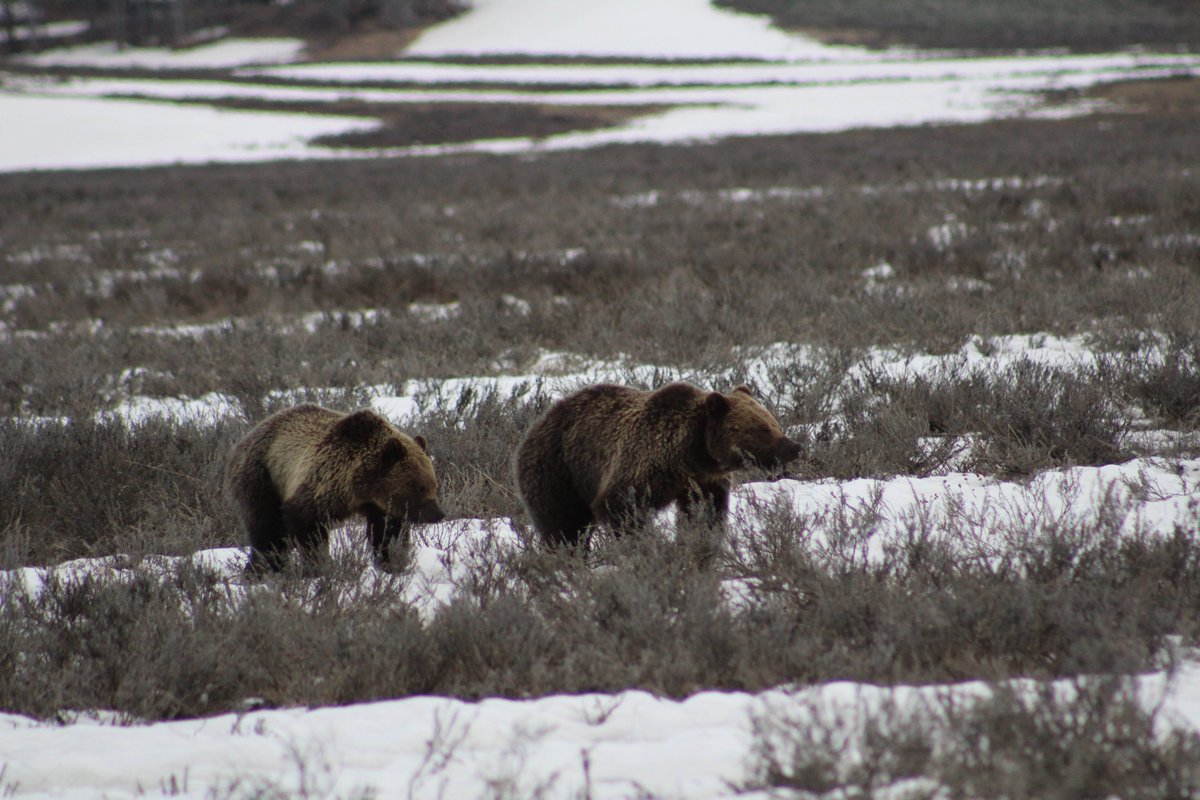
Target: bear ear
[393,453]
[421,443]
[716,404]
[358,426]
[744,389]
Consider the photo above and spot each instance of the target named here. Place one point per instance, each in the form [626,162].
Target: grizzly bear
[306,468]
[613,455]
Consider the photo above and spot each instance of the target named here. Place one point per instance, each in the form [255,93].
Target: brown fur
[613,455]
[306,468]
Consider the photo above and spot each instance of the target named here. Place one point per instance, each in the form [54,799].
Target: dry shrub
[1094,737]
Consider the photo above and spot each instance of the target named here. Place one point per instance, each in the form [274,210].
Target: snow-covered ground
[628,745]
[214,55]
[46,32]
[612,745]
[556,374]
[632,28]
[90,133]
[782,83]
[631,743]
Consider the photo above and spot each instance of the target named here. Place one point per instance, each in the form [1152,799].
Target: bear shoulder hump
[676,396]
[360,426]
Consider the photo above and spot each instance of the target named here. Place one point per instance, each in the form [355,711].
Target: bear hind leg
[623,509]
[563,523]
[559,515]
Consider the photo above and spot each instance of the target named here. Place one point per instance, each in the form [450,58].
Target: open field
[350,275]
[987,338]
[1006,25]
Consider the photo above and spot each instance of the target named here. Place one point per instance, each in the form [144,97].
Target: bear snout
[429,511]
[787,450]
[773,455]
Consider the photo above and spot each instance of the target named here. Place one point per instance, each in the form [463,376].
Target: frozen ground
[781,83]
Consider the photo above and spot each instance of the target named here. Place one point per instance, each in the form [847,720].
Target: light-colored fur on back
[307,467]
[294,447]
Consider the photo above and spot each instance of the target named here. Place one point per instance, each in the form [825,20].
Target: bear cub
[306,468]
[613,455]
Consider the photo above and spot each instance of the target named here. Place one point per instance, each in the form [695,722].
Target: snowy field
[612,746]
[780,83]
[631,744]
[603,746]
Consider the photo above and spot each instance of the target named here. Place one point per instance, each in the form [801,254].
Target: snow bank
[85,133]
[604,746]
[976,516]
[659,29]
[624,745]
[783,84]
[224,54]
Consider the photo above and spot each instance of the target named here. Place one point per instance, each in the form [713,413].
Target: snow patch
[224,54]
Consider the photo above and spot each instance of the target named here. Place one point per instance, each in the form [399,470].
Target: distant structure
[169,23]
[20,20]
[184,23]
[343,15]
[172,23]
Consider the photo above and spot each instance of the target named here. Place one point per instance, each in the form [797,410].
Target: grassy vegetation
[1077,227]
[1082,25]
[1095,738]
[1090,235]
[182,640]
[270,284]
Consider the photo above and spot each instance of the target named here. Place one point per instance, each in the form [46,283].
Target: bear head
[395,474]
[739,432]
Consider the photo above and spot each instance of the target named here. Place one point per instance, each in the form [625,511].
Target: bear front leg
[383,531]
[704,509]
[714,502]
[268,539]
[307,528]
[314,548]
[266,558]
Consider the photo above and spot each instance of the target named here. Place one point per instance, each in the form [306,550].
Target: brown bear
[306,468]
[614,455]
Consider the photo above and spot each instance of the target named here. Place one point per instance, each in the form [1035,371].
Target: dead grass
[441,123]
[1087,739]
[1173,96]
[184,641]
[1081,25]
[1076,227]
[1059,227]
